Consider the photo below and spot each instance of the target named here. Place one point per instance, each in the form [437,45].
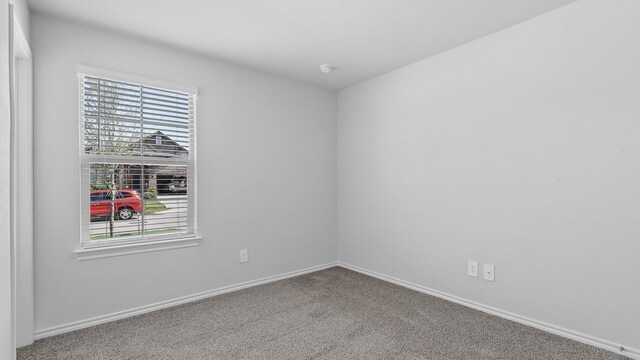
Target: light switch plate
[489,272]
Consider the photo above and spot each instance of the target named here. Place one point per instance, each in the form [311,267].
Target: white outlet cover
[472,268]
[244,255]
[489,272]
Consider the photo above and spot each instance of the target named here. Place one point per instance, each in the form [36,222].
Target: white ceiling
[291,38]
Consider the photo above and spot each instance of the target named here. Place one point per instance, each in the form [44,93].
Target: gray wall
[521,150]
[266,177]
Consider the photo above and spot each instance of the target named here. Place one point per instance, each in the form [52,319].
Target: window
[136,140]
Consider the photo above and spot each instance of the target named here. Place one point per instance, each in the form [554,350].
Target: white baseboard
[76,325]
[557,330]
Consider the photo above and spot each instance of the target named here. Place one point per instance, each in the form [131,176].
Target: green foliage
[99,187]
[150,195]
[153,206]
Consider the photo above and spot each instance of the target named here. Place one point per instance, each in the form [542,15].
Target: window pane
[165,201]
[136,160]
[129,119]
[150,200]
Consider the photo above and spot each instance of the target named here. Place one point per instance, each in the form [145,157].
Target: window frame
[136,243]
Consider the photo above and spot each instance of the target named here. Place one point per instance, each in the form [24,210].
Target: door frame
[21,90]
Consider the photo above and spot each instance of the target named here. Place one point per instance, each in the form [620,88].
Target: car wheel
[125,213]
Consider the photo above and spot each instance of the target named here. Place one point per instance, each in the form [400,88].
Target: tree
[112,112]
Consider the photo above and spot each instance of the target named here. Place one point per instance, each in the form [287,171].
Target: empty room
[335,179]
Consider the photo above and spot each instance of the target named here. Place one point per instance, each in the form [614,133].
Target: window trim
[129,248]
[132,78]
[133,244]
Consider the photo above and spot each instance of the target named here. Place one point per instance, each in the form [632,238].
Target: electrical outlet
[489,272]
[244,255]
[472,268]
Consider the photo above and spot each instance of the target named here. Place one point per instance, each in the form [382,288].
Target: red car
[127,203]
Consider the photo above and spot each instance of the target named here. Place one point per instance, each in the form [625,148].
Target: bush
[150,195]
[99,187]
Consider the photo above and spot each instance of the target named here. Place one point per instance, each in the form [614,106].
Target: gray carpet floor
[329,314]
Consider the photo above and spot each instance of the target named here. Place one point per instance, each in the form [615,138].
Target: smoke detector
[327,68]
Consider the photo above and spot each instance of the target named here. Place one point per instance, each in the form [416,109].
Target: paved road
[175,217]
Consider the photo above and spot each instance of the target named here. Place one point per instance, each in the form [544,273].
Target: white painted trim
[22,188]
[541,325]
[21,45]
[12,190]
[125,77]
[136,248]
[56,330]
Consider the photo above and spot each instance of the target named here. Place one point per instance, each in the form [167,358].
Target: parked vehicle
[128,202]
[178,186]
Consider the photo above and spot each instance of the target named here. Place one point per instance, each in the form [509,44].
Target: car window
[101,196]
[122,195]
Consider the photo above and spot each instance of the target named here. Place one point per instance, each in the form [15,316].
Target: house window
[138,162]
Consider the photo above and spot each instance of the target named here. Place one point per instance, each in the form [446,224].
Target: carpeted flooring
[330,314]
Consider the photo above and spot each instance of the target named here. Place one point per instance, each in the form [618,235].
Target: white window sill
[136,248]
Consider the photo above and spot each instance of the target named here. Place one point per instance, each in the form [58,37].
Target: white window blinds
[138,162]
